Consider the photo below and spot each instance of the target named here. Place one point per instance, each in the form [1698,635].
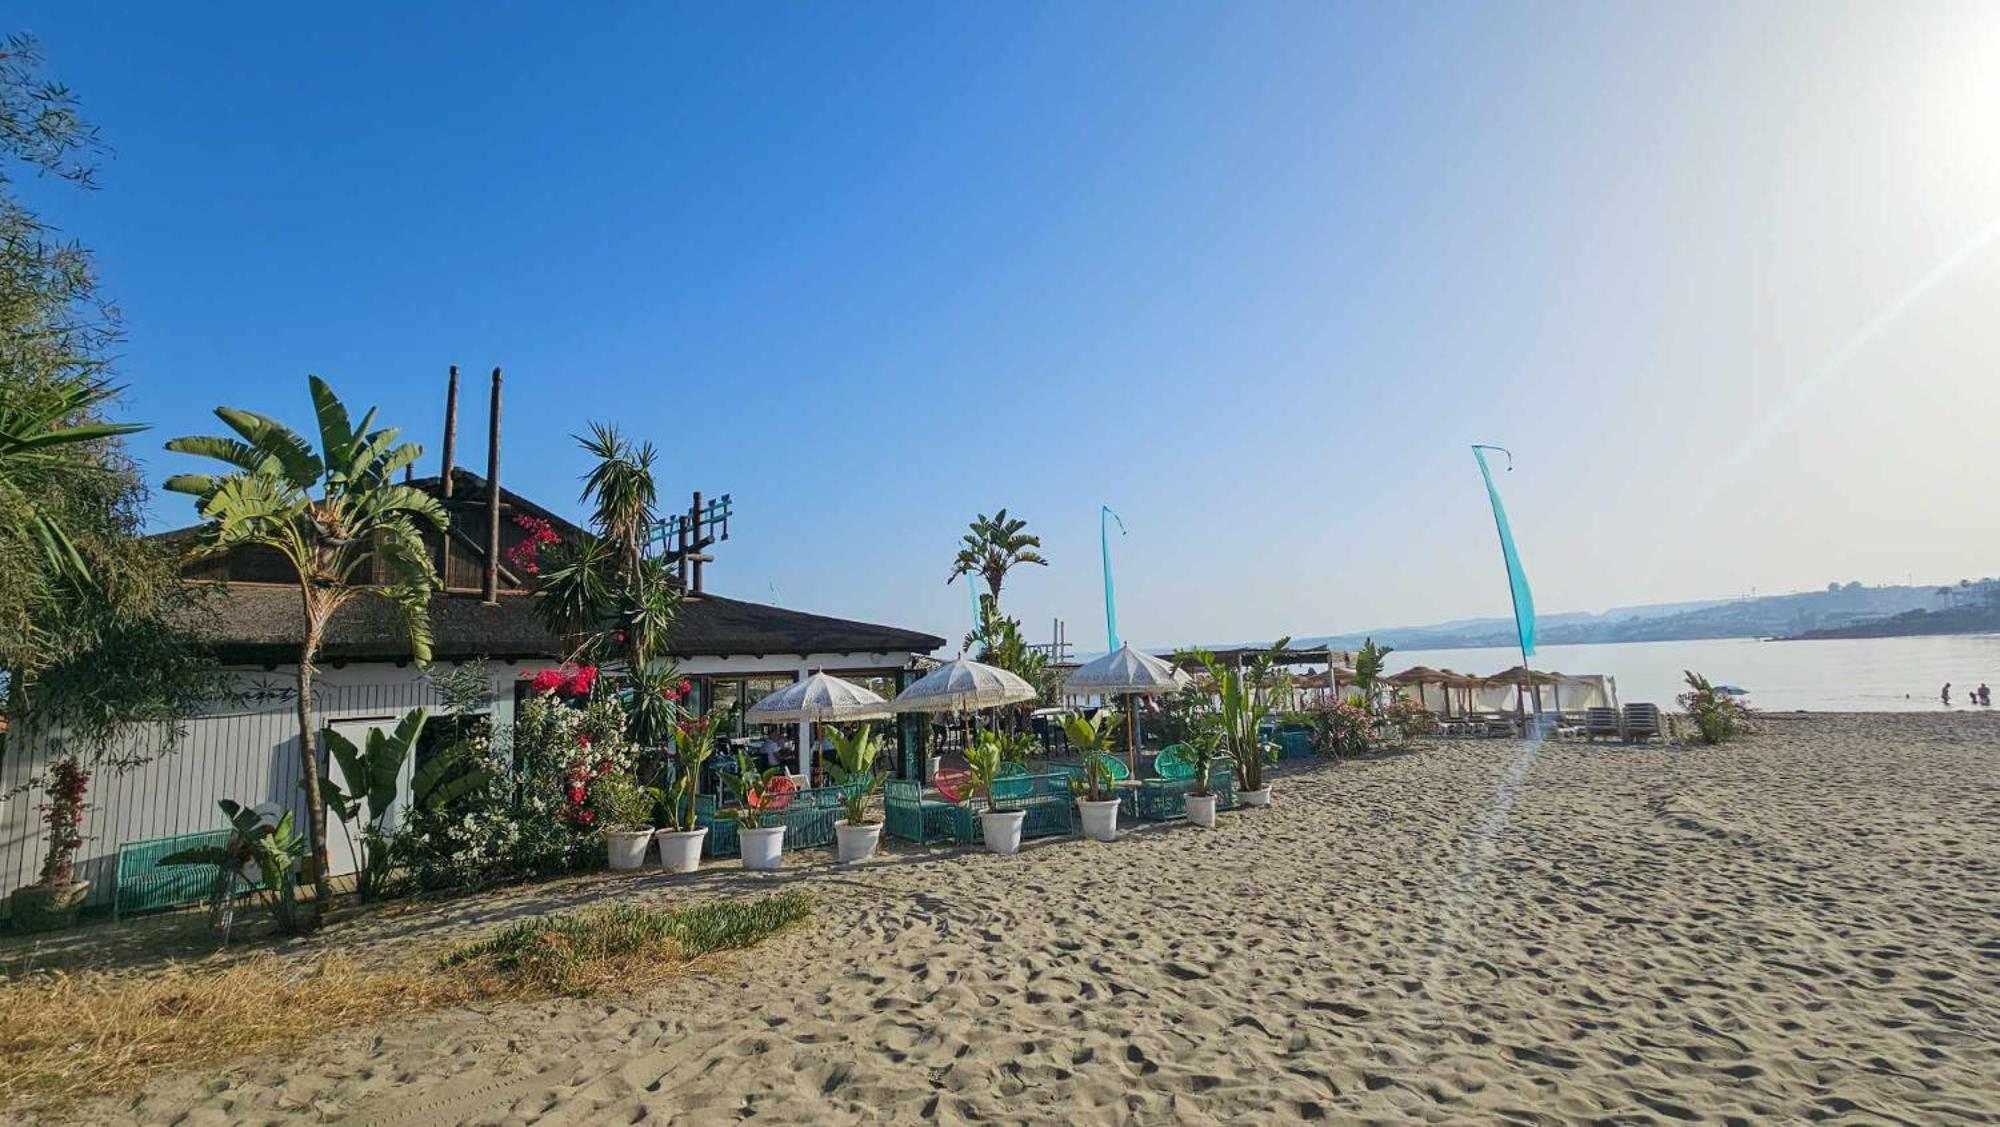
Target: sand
[1806,925]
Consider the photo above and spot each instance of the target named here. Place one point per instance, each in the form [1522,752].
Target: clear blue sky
[1254,275]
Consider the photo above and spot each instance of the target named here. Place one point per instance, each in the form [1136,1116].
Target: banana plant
[854,772]
[332,515]
[694,742]
[374,781]
[759,791]
[1091,737]
[1241,706]
[274,847]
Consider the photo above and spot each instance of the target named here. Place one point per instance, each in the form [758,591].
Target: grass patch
[581,952]
[70,1035]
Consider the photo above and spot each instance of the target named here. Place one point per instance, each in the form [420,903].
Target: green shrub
[1717,716]
[578,952]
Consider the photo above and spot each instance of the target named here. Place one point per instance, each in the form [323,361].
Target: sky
[1723,277]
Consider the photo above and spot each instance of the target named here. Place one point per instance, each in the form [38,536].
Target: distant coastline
[1912,624]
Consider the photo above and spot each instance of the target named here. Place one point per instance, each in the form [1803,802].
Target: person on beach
[1983,694]
[1944,694]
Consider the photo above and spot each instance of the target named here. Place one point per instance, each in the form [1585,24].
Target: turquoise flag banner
[1110,596]
[1517,579]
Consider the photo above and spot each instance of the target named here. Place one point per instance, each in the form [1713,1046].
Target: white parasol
[819,698]
[963,685]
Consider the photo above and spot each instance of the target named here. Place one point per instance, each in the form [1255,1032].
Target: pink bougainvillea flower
[546,681]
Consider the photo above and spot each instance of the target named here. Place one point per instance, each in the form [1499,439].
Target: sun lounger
[1642,722]
[1602,722]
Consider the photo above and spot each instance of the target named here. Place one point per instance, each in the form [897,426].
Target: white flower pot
[936,765]
[628,847]
[855,843]
[762,848]
[1201,809]
[1002,830]
[1100,819]
[1255,797]
[680,850]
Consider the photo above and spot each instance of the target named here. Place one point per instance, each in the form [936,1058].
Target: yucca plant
[854,772]
[331,515]
[1091,737]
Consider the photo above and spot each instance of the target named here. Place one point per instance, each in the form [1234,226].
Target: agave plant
[332,516]
[1091,737]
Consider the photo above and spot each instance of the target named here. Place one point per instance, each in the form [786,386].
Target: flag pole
[1110,597]
[1517,579]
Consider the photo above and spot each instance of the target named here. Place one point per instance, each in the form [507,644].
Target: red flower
[686,686]
[587,817]
[583,739]
[546,681]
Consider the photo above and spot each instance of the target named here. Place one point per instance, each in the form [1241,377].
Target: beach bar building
[247,748]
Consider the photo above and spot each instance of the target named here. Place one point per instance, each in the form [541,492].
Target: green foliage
[1201,748]
[1718,717]
[569,952]
[994,546]
[854,772]
[1368,661]
[693,743]
[332,515]
[1000,643]
[983,757]
[1091,738]
[601,592]
[751,784]
[375,776]
[622,804]
[1243,699]
[273,848]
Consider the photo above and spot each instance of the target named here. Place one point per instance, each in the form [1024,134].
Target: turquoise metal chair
[1173,763]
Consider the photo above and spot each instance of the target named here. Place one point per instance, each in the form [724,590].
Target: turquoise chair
[1173,763]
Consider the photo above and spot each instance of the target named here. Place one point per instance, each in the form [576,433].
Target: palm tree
[360,515]
[621,488]
[38,437]
[995,546]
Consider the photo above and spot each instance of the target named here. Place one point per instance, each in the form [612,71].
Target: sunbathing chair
[1642,722]
[1601,722]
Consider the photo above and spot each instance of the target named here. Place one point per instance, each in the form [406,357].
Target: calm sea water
[1843,675]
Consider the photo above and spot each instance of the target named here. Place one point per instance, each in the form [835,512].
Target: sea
[1834,675]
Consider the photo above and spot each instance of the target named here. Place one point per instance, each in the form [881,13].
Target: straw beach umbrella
[1128,673]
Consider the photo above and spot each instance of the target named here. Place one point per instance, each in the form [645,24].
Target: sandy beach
[1805,925]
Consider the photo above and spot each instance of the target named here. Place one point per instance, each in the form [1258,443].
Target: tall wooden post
[491,591]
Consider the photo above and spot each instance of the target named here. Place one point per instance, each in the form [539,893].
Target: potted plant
[54,900]
[1241,706]
[760,793]
[682,838]
[1000,829]
[1200,752]
[853,770]
[1097,802]
[625,814]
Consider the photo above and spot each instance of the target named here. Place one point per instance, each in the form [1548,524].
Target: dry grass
[69,1035]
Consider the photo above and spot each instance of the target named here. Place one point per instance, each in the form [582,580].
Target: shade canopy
[1415,675]
[1522,675]
[818,698]
[1123,671]
[962,686]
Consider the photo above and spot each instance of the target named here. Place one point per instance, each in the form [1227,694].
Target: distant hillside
[1837,607]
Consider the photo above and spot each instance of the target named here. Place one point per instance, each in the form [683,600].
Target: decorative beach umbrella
[1128,673]
[963,685]
[818,699]
[1417,676]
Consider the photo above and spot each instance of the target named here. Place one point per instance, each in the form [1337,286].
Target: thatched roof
[259,623]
